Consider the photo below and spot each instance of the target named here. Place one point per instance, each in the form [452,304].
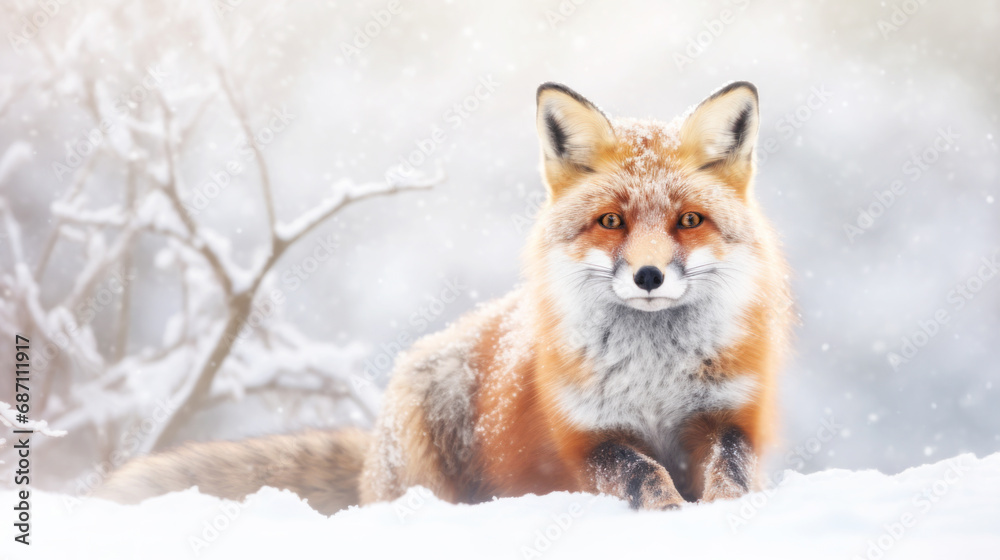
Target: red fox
[638,358]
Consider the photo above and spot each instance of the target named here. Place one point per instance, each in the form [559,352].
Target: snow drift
[946,509]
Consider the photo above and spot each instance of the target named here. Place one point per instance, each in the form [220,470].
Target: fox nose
[648,278]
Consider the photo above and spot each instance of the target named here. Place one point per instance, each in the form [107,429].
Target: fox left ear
[573,133]
[720,135]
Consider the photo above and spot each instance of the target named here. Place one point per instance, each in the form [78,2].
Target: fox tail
[324,467]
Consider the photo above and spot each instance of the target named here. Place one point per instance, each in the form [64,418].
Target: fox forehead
[644,176]
[642,144]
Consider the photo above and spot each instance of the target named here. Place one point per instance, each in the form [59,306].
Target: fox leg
[723,460]
[618,469]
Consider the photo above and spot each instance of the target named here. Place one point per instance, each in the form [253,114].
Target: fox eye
[611,221]
[690,220]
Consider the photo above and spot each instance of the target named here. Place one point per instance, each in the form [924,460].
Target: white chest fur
[649,367]
[649,375]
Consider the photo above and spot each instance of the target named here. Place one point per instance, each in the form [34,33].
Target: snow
[16,154]
[946,509]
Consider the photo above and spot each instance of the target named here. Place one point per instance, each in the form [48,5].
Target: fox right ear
[721,134]
[573,133]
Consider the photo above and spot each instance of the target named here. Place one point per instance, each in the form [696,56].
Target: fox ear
[573,133]
[721,134]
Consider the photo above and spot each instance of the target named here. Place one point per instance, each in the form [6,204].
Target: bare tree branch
[125,309]
[79,179]
[173,194]
[93,272]
[197,344]
[240,305]
[265,177]
[290,233]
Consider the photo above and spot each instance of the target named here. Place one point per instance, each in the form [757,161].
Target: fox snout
[648,278]
[649,287]
[649,260]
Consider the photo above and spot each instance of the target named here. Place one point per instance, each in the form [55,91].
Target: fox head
[647,217]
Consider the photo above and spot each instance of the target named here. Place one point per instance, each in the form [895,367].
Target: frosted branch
[348,192]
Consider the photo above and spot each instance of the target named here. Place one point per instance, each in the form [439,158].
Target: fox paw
[730,491]
[654,495]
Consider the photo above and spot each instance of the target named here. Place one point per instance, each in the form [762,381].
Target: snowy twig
[172,191]
[265,177]
[79,179]
[8,417]
[185,130]
[292,232]
[13,233]
[94,271]
[15,93]
[13,157]
[125,309]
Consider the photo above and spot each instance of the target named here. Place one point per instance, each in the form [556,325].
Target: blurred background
[141,141]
